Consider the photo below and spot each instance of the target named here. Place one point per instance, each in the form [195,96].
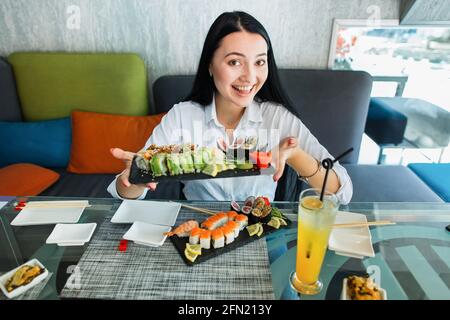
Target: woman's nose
[249,74]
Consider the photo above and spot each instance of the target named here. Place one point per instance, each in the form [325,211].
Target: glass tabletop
[412,257]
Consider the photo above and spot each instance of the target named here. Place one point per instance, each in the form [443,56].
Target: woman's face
[239,68]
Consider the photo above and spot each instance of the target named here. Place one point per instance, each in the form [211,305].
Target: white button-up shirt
[190,122]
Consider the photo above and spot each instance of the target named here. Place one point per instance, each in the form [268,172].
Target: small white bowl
[18,291]
[345,295]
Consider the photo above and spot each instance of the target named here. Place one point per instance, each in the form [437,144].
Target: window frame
[361,23]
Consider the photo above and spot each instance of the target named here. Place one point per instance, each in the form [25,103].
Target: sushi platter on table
[189,162]
[222,232]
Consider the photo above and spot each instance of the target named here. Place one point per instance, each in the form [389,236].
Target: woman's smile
[243,90]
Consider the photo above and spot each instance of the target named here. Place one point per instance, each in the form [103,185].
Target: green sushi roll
[186,162]
[142,163]
[211,170]
[197,158]
[245,165]
[221,167]
[230,165]
[173,163]
[158,164]
[207,156]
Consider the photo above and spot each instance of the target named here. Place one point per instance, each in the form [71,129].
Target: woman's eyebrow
[243,55]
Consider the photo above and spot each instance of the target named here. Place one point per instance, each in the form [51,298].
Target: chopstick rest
[123,245]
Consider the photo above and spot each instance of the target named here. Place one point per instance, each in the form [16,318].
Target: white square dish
[354,242]
[147,234]
[51,215]
[153,212]
[19,290]
[345,293]
[71,234]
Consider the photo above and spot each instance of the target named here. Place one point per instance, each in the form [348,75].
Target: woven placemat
[144,272]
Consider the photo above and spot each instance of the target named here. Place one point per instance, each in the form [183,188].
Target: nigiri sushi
[218,239]
[242,220]
[231,215]
[215,221]
[233,226]
[205,239]
[194,237]
[228,233]
[183,230]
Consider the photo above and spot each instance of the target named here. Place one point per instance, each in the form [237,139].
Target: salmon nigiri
[183,230]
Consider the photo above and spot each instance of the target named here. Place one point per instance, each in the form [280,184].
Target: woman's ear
[210,70]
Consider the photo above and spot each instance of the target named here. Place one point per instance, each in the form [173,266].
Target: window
[404,61]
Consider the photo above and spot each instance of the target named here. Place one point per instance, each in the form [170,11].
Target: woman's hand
[281,154]
[127,157]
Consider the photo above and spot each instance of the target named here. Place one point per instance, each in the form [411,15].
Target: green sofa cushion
[51,85]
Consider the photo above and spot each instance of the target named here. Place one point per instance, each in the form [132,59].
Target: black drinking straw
[328,165]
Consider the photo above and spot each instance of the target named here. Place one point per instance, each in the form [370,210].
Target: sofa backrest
[51,85]
[9,102]
[332,104]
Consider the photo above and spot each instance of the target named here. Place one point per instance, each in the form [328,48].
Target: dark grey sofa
[333,104]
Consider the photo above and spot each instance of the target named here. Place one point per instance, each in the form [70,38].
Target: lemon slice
[312,203]
[194,248]
[261,230]
[282,221]
[253,229]
[274,223]
[191,257]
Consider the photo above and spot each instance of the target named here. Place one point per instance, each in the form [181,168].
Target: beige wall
[168,34]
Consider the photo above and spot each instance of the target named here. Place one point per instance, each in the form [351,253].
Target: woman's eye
[234,63]
[260,62]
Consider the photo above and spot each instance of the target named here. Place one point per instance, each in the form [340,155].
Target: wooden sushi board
[138,176]
[242,239]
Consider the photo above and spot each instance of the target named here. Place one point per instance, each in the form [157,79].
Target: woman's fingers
[289,142]
[281,154]
[126,157]
[279,169]
[124,178]
[122,154]
[152,185]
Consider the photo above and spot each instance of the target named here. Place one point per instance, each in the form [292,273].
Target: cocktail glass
[315,221]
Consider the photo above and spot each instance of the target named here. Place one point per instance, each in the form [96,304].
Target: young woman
[237,93]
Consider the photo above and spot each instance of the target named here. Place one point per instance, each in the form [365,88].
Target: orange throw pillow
[25,179]
[94,134]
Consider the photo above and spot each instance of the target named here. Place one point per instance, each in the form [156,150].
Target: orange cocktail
[315,221]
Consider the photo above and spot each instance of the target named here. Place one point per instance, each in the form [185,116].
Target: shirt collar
[252,113]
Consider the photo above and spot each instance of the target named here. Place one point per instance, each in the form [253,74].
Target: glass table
[412,258]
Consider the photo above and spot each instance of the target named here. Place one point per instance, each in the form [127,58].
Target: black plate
[138,176]
[242,239]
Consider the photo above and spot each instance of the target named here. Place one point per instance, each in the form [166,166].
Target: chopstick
[202,210]
[363,224]
[47,204]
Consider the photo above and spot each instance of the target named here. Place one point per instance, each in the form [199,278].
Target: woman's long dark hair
[229,22]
